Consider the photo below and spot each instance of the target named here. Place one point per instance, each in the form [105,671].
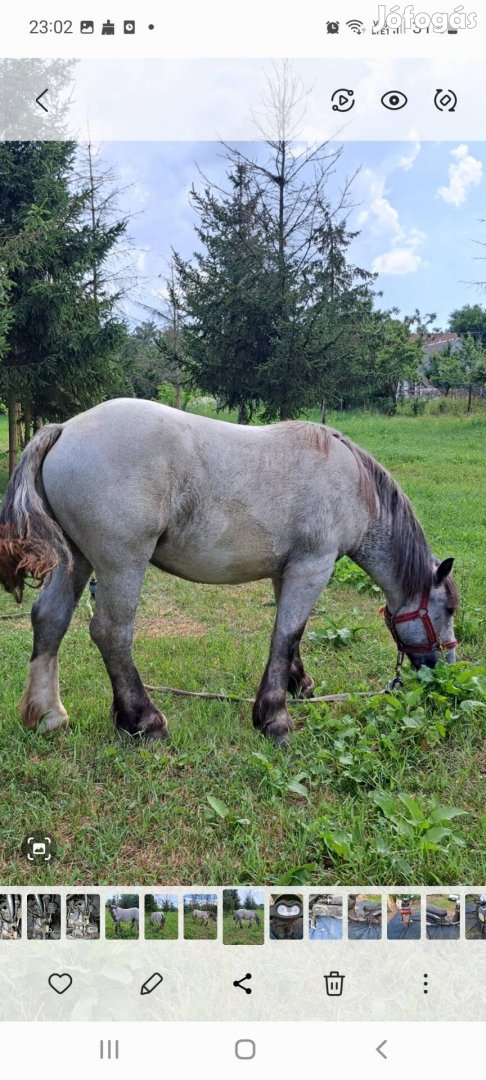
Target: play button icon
[343,100]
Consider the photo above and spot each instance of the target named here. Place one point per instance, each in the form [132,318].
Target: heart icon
[60,983]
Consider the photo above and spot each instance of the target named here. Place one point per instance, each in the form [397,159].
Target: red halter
[421,613]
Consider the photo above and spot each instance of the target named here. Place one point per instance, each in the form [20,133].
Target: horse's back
[211,501]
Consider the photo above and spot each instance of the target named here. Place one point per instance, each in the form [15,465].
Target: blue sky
[418,208]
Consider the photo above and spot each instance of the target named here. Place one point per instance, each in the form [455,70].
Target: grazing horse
[245,915]
[158,919]
[203,916]
[123,915]
[132,482]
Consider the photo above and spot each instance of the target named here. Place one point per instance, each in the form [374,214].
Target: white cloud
[142,258]
[465,173]
[397,261]
[408,159]
[383,220]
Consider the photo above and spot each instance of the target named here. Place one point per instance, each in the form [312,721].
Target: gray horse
[245,915]
[131,482]
[158,919]
[122,915]
[200,915]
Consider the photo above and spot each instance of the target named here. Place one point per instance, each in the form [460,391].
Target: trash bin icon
[334,984]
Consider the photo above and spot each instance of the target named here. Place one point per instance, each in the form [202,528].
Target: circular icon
[343,100]
[445,100]
[394,100]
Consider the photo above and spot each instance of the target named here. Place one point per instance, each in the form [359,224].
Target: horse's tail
[32,543]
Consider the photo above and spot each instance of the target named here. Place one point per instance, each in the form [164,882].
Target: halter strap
[421,613]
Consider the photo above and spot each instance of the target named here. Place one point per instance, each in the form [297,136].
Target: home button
[245,1049]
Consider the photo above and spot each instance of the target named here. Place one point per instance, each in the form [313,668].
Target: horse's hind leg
[300,683]
[111,629]
[41,708]
[301,585]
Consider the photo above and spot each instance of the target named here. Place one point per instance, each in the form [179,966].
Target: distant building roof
[435,343]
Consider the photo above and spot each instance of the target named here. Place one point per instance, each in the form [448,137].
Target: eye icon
[394,100]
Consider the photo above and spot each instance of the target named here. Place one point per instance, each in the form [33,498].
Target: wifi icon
[356,26]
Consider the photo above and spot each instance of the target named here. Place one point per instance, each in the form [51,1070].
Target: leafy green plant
[220,812]
[432,829]
[335,634]
[347,572]
[276,778]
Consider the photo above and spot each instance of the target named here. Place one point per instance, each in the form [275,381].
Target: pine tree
[228,325]
[63,333]
[272,295]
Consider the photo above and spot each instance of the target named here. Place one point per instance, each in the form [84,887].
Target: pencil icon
[152,983]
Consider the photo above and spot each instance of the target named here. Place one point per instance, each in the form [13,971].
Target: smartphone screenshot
[242,539]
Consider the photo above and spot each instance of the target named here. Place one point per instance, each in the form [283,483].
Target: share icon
[239,982]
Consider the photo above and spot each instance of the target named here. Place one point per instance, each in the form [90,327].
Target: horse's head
[424,630]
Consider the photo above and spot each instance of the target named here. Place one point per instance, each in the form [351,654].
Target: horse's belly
[215,564]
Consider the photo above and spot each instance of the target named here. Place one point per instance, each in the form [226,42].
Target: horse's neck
[375,557]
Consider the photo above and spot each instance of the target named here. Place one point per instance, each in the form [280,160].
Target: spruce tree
[228,320]
[60,349]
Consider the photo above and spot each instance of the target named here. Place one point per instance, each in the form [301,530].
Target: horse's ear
[443,570]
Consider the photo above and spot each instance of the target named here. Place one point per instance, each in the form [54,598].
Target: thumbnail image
[43,917]
[200,917]
[10,917]
[243,916]
[443,916]
[364,917]
[325,917]
[83,916]
[161,921]
[122,917]
[286,917]
[403,917]
[476,916]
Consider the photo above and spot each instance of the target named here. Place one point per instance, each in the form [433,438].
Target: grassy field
[127,931]
[169,931]
[197,930]
[387,791]
[248,934]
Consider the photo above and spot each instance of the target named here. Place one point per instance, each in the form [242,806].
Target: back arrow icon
[41,103]
[380,1051]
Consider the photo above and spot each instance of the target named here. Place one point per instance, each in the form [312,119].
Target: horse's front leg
[111,628]
[300,683]
[301,585]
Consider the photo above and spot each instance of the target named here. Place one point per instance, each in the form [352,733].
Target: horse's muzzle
[430,659]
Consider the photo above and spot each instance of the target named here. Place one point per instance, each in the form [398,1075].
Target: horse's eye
[450,610]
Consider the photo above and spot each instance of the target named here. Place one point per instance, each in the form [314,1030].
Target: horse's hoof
[278,729]
[156,732]
[49,721]
[306,688]
[148,728]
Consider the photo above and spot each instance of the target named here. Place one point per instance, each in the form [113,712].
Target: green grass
[196,930]
[362,786]
[441,902]
[169,932]
[248,934]
[127,931]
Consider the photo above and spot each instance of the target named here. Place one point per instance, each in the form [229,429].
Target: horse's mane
[413,559]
